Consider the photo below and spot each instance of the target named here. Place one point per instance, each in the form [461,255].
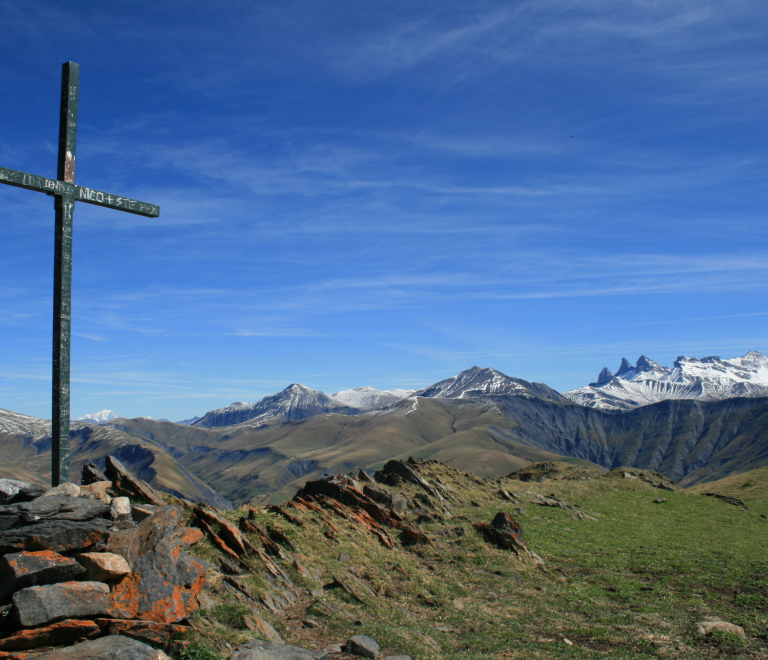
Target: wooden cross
[66,193]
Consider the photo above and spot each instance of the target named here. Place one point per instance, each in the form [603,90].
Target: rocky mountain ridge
[295,402]
[703,379]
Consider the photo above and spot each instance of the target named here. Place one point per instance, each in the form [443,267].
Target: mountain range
[480,420]
[703,379]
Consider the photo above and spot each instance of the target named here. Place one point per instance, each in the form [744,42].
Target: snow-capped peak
[476,382]
[707,379]
[293,403]
[369,398]
[98,418]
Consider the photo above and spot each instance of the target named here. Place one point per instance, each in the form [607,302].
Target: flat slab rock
[259,649]
[362,645]
[62,632]
[56,535]
[149,632]
[53,602]
[55,507]
[114,647]
[19,570]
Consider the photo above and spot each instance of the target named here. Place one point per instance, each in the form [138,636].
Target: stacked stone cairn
[102,560]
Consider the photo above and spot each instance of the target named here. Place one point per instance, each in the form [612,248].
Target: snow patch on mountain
[477,383]
[99,417]
[369,398]
[295,402]
[706,379]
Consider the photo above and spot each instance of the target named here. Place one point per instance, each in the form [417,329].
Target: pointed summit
[646,364]
[478,382]
[703,379]
[625,368]
[604,376]
[293,403]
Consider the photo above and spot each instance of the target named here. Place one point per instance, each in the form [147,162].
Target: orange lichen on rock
[164,582]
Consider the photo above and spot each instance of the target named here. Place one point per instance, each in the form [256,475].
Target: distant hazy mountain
[187,422]
[477,383]
[25,453]
[298,402]
[99,417]
[293,403]
[704,379]
[368,398]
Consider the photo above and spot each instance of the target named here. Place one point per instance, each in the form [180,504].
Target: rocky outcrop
[75,564]
[507,533]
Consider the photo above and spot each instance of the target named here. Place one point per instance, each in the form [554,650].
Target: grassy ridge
[630,581]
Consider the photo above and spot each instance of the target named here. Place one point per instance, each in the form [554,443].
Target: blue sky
[383,193]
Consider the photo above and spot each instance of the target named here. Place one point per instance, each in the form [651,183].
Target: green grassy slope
[629,581]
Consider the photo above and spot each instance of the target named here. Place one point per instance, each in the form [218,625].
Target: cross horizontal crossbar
[78,193]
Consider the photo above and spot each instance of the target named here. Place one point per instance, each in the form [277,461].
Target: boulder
[114,647]
[708,627]
[362,645]
[55,535]
[90,474]
[12,490]
[507,533]
[68,489]
[97,491]
[149,632]
[54,602]
[124,482]
[20,570]
[259,649]
[102,566]
[120,508]
[63,632]
[164,582]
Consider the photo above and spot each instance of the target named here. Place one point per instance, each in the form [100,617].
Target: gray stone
[20,570]
[67,488]
[56,507]
[362,645]
[392,500]
[90,474]
[12,490]
[66,600]
[113,647]
[56,535]
[259,649]
[120,508]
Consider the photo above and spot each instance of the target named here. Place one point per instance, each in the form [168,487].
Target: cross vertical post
[66,193]
[62,276]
